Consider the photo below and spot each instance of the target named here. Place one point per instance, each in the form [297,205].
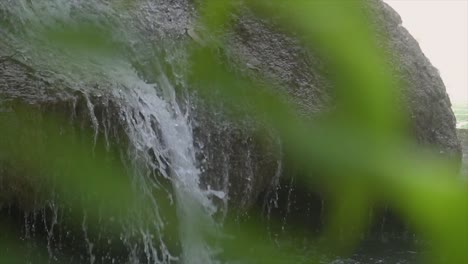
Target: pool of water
[461,114]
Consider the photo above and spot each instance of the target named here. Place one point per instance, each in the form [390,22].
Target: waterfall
[105,89]
[172,143]
[157,124]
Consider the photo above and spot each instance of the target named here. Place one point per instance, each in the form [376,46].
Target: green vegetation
[423,190]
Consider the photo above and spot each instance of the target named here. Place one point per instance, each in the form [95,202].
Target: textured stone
[263,50]
[281,58]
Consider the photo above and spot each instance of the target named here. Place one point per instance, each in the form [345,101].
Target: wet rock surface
[425,95]
[260,45]
[262,49]
[248,169]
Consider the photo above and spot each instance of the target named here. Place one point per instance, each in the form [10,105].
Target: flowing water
[141,71]
[172,142]
[461,114]
[158,121]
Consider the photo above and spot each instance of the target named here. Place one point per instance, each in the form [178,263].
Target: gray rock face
[257,44]
[266,51]
[230,157]
[281,58]
[261,49]
[425,95]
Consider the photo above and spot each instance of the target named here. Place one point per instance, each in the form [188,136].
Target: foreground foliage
[362,148]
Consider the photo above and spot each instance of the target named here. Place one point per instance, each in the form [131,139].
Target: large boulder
[426,98]
[231,158]
[265,50]
[262,49]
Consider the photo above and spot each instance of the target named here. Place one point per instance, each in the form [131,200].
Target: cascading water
[120,64]
[158,129]
[173,143]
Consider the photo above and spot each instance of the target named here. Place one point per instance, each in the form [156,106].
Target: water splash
[172,145]
[156,124]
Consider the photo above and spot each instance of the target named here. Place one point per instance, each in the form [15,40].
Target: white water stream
[159,131]
[172,142]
